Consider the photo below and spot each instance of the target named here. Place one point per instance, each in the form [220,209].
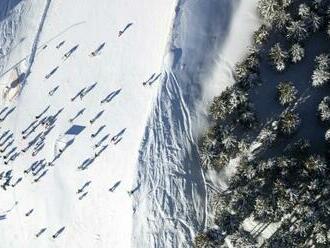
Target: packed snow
[100,112]
[102,218]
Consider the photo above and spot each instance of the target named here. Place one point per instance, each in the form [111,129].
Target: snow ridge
[36,40]
[170,198]
[9,26]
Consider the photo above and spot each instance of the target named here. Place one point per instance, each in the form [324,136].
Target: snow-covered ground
[207,39]
[102,218]
[159,192]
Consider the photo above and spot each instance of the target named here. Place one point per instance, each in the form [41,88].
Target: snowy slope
[102,218]
[159,192]
[208,38]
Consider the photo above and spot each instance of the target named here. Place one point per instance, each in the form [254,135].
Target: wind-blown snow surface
[102,218]
[170,197]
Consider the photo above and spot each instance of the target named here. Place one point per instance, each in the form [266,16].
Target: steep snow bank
[170,199]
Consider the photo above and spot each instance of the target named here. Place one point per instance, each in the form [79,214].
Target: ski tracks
[172,189]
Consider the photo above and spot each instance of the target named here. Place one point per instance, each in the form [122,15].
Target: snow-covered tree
[297,30]
[328,29]
[314,22]
[289,122]
[261,35]
[287,92]
[228,141]
[304,10]
[285,3]
[241,71]
[221,161]
[247,118]
[242,239]
[266,136]
[320,232]
[324,109]
[327,135]
[315,163]
[210,239]
[263,210]
[207,146]
[268,9]
[321,73]
[283,18]
[227,222]
[323,61]
[297,53]
[278,56]
[227,102]
[320,77]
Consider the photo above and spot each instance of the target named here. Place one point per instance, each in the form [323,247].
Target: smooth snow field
[99,116]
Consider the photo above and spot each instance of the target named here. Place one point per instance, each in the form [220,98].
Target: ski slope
[101,218]
[137,75]
[207,39]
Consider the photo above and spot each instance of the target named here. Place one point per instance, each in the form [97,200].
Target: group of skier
[42,125]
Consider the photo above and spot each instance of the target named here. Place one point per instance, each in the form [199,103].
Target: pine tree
[324,109]
[283,18]
[261,35]
[297,53]
[285,3]
[268,9]
[289,122]
[323,61]
[220,161]
[287,92]
[320,232]
[320,77]
[207,150]
[327,135]
[315,163]
[304,11]
[297,30]
[242,239]
[328,29]
[321,73]
[314,22]
[278,57]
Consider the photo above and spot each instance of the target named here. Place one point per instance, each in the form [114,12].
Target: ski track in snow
[36,41]
[171,200]
[160,193]
[9,28]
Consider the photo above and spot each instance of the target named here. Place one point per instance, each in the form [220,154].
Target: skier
[93,135]
[83,187]
[17,182]
[60,44]
[97,51]
[29,212]
[44,111]
[122,31]
[82,196]
[42,230]
[78,94]
[96,117]
[68,54]
[53,90]
[58,232]
[51,73]
[112,189]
